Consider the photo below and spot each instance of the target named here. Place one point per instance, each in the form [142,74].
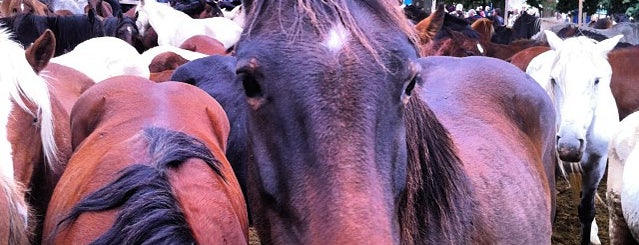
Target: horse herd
[325,122]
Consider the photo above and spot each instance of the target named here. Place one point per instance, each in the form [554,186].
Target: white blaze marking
[337,38]
[481,49]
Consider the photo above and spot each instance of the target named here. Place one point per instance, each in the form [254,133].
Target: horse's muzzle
[570,150]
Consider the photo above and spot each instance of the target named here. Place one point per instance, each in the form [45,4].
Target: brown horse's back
[503,127]
[67,83]
[115,126]
[522,58]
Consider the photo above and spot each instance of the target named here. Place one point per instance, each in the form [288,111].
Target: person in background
[497,16]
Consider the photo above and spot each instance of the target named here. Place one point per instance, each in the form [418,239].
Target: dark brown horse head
[326,82]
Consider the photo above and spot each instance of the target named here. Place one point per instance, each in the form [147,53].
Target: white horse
[174,27]
[104,57]
[576,74]
[623,185]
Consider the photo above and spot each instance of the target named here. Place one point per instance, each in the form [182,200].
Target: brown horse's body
[67,83]
[488,120]
[624,82]
[112,124]
[485,29]
[163,65]
[204,44]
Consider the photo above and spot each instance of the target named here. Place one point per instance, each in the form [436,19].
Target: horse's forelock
[338,11]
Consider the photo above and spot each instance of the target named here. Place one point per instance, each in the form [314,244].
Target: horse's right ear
[41,51]
[553,40]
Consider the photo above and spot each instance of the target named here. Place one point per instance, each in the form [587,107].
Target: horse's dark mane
[525,26]
[437,191]
[149,211]
[415,14]
[72,30]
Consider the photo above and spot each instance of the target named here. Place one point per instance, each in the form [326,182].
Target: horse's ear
[120,15]
[553,40]
[606,45]
[41,51]
[91,15]
[85,116]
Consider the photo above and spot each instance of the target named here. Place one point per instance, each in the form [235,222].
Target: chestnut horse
[441,34]
[485,28]
[156,175]
[347,150]
[35,135]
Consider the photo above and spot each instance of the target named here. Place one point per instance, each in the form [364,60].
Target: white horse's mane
[19,81]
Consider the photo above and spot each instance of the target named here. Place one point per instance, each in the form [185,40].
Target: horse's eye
[35,121]
[552,81]
[596,81]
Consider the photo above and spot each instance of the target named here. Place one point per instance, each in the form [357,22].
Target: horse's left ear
[41,51]
[91,15]
[553,40]
[606,45]
[414,70]
[120,15]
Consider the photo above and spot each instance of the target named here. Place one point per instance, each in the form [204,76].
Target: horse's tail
[149,211]
[437,205]
[14,216]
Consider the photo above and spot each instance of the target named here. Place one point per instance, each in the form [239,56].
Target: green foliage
[568,6]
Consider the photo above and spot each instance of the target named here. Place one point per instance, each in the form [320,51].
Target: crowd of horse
[319,121]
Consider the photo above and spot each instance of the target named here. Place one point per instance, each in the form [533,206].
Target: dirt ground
[566,227]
